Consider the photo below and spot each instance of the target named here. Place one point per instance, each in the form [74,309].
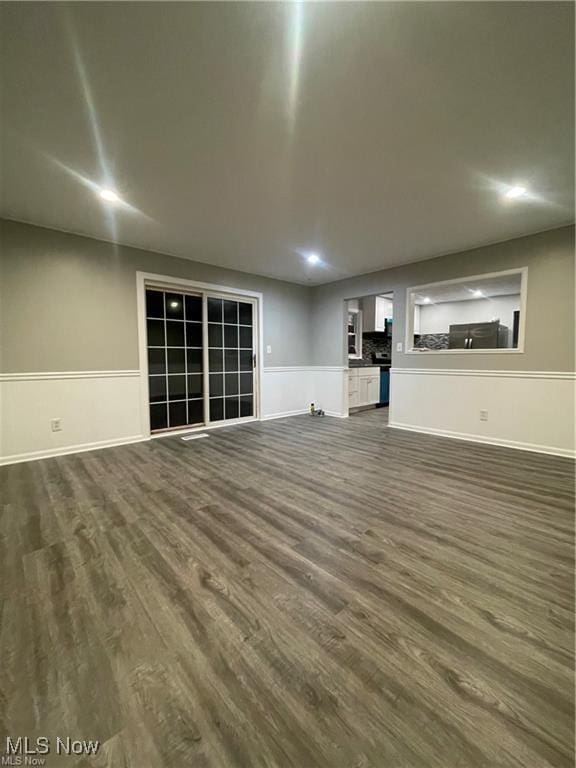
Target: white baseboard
[64,451]
[487,440]
[284,414]
[287,414]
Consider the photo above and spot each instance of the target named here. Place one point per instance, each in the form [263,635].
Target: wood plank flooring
[315,593]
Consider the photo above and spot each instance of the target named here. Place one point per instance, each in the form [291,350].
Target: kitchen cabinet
[363,386]
[375,311]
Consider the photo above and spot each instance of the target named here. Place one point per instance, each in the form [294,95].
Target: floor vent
[195,437]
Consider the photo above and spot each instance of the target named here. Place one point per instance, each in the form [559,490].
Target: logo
[22,750]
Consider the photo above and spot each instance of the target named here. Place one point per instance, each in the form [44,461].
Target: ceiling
[500,285]
[249,134]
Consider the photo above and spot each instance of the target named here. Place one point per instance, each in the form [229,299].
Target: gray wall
[68,303]
[549,343]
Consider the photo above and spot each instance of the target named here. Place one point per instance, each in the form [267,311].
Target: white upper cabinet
[375,311]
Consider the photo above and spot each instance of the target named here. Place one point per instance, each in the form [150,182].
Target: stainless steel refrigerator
[478,336]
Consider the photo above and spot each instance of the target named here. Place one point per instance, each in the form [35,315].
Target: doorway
[200,362]
[369,330]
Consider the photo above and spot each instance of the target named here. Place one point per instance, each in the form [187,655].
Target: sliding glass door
[231,358]
[175,359]
[201,358]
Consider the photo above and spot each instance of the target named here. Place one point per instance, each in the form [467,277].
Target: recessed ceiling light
[478,293]
[426,300]
[313,258]
[514,192]
[109,195]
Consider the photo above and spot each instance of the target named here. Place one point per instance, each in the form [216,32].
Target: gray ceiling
[246,134]
[501,285]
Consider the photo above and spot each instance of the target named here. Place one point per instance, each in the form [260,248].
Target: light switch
[399,346]
[268,349]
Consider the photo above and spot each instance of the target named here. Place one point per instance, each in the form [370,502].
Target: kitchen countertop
[363,364]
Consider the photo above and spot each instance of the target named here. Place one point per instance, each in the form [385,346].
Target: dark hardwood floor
[308,592]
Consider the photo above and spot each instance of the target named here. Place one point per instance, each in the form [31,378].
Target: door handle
[254,360]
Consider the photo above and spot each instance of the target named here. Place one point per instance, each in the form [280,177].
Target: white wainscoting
[97,409]
[329,389]
[288,391]
[529,410]
[103,408]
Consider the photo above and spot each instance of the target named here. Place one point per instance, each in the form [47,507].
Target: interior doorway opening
[369,331]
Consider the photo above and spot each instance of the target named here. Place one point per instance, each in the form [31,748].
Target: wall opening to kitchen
[369,338]
[482,313]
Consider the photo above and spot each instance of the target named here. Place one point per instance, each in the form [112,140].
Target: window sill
[464,352]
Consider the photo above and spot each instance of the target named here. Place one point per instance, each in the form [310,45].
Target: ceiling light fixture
[513,193]
[109,195]
[426,300]
[313,258]
[478,293]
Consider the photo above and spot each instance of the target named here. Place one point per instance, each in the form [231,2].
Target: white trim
[302,412]
[567,452]
[491,374]
[64,451]
[285,414]
[336,414]
[59,375]
[409,338]
[168,282]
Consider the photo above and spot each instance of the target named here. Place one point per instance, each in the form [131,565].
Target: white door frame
[168,282]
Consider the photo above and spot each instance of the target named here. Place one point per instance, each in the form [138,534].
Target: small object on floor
[195,437]
[316,412]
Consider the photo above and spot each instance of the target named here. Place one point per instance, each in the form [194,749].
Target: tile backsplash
[379,344]
[431,341]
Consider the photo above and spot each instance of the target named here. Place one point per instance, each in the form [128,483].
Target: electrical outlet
[399,346]
[56,425]
[268,350]
[483,415]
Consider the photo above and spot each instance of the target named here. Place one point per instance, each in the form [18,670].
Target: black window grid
[234,403]
[167,374]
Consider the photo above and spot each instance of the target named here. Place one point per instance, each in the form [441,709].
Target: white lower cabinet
[363,386]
